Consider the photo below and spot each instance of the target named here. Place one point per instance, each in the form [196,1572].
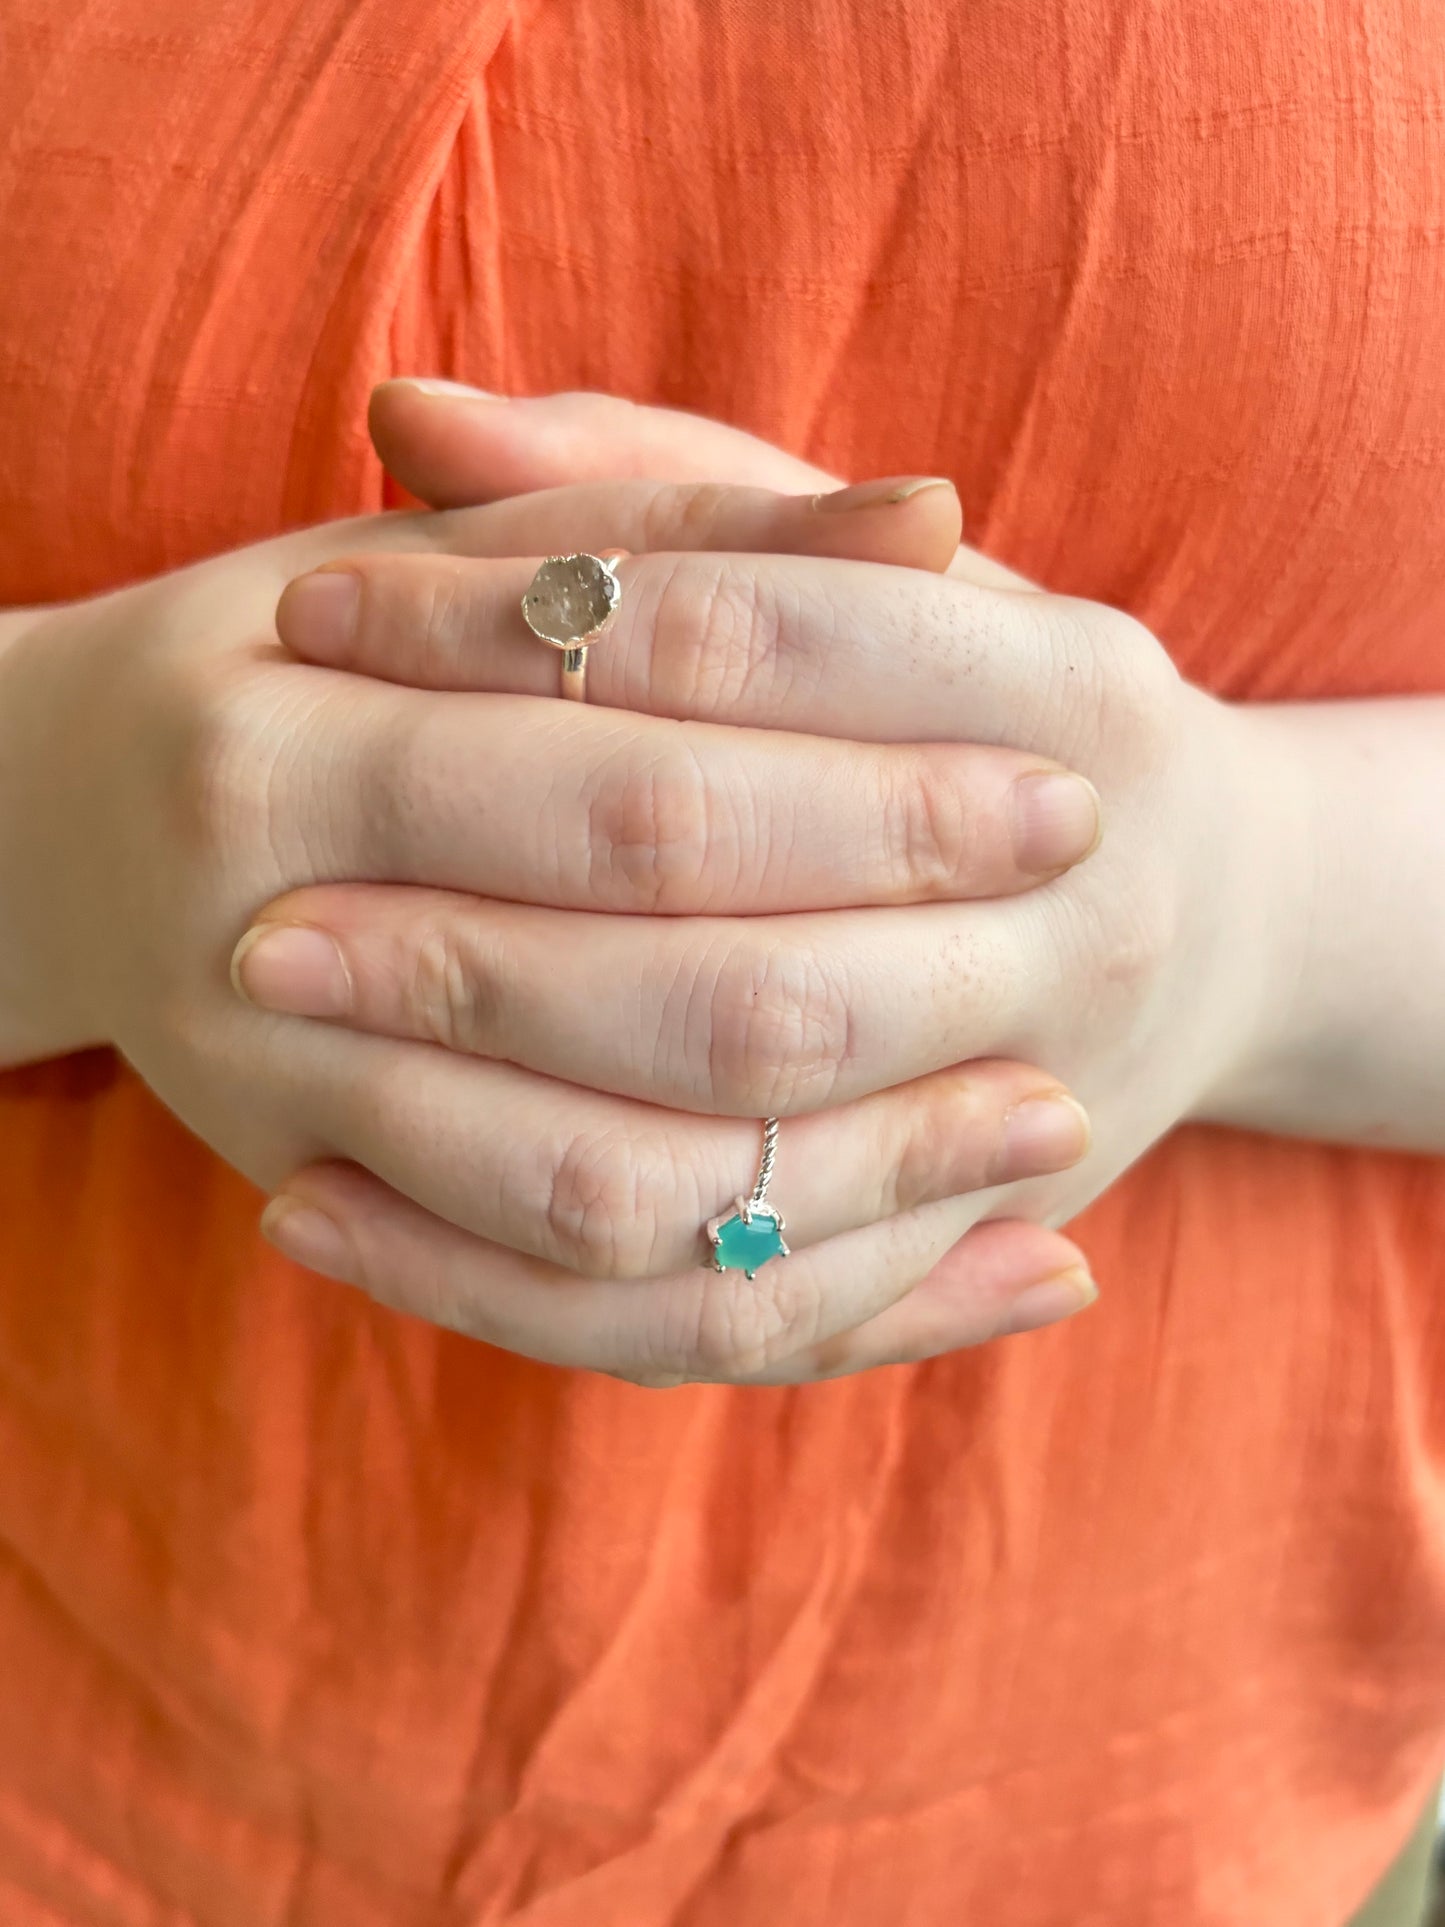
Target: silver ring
[571,601]
[751,1234]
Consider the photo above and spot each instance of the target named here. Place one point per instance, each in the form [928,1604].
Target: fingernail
[1040,1135]
[292,968]
[321,610]
[307,1236]
[452,390]
[1049,1303]
[1056,821]
[877,495]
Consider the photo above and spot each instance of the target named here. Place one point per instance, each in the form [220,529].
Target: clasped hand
[842,835]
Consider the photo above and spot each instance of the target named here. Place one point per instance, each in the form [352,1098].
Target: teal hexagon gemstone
[740,1246]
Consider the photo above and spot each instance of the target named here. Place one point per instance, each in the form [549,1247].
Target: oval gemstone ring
[572,600]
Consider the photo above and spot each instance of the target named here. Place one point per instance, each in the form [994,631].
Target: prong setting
[751,1234]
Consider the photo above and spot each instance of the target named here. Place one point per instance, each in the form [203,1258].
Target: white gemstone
[571,598]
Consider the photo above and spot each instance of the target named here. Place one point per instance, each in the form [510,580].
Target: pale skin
[845,916]
[167,769]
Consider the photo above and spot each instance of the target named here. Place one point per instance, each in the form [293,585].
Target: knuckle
[396,783]
[928,829]
[383,1107]
[187,1020]
[227,736]
[682,515]
[1139,942]
[456,991]
[440,622]
[744,1325]
[932,1161]
[1117,683]
[1143,681]
[779,1030]
[658,839]
[712,625]
[1126,938]
[421,1291]
[604,1215]
[413,616]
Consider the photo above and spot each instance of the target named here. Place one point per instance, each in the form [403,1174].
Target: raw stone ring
[572,600]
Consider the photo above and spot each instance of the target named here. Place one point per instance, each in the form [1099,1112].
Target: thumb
[452,446]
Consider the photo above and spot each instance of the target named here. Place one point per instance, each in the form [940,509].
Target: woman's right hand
[167,768]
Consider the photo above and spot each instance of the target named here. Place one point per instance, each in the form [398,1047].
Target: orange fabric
[309,1614]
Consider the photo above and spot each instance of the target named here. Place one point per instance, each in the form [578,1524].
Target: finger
[910,521]
[452,445]
[1001,1279]
[696,1325]
[450,620]
[812,643]
[894,521]
[736,1017]
[586,809]
[615,1187]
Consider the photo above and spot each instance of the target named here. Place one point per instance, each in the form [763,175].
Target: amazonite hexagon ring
[751,1234]
[572,601]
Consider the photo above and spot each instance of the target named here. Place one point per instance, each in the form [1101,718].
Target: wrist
[1275,842]
[39,1014]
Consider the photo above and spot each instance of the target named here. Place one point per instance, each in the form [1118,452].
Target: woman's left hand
[1140,978]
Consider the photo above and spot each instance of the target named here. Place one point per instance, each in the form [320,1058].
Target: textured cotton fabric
[311,1616]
